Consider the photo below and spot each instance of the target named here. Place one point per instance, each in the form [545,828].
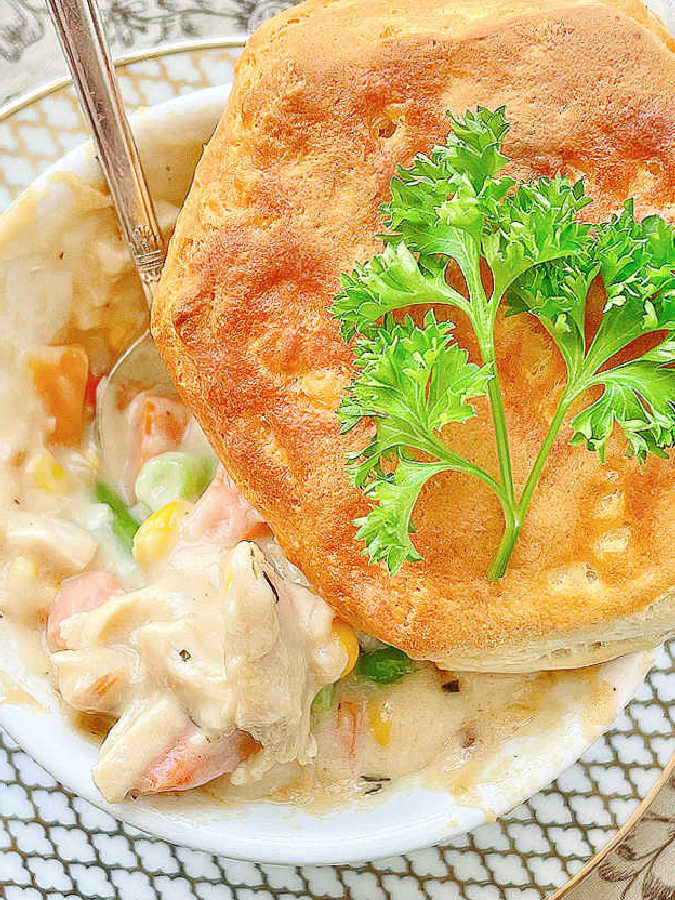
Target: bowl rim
[235,831]
[267,832]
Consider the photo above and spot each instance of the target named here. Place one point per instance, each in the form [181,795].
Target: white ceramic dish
[411,814]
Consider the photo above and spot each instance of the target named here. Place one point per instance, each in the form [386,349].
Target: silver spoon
[80,30]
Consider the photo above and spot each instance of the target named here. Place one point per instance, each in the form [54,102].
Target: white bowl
[412,813]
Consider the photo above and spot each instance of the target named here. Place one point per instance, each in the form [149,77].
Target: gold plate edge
[169,49]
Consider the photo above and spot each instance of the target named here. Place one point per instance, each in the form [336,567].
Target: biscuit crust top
[327,99]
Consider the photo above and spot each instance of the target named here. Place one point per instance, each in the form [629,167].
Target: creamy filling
[194,651]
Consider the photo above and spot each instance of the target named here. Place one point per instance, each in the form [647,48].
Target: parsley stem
[460,464]
[483,325]
[543,454]
[499,420]
[501,561]
[484,329]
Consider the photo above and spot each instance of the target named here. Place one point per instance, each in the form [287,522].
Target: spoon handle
[80,30]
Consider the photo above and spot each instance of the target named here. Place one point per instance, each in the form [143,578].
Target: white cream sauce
[213,656]
[217,639]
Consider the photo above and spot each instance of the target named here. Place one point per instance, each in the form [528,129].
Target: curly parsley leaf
[465,167]
[473,146]
[439,204]
[635,261]
[556,292]
[454,207]
[535,224]
[450,204]
[387,282]
[640,397]
[637,266]
[413,381]
[387,527]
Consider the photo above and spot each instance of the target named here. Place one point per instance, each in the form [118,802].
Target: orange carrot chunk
[350,725]
[77,595]
[93,382]
[60,378]
[193,760]
[161,424]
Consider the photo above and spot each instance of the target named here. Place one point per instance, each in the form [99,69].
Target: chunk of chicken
[65,546]
[94,680]
[28,593]
[154,747]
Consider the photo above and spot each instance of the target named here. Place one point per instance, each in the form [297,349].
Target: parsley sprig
[453,207]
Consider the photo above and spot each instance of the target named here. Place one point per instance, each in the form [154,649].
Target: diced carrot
[350,724]
[161,424]
[194,760]
[128,391]
[93,382]
[60,378]
[222,514]
[79,594]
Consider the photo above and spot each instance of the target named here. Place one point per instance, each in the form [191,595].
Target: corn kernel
[349,642]
[48,473]
[158,534]
[226,575]
[379,717]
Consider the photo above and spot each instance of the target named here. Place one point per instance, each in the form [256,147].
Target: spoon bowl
[80,30]
[140,363]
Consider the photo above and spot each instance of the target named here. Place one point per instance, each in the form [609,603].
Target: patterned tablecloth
[55,845]
[30,56]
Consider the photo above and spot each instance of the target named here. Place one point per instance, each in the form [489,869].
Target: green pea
[323,700]
[385,666]
[174,476]
[124,525]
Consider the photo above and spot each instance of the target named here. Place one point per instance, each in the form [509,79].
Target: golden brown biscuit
[328,98]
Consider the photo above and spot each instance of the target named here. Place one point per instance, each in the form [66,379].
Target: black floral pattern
[131,23]
[642,867]
[152,21]
[21,24]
